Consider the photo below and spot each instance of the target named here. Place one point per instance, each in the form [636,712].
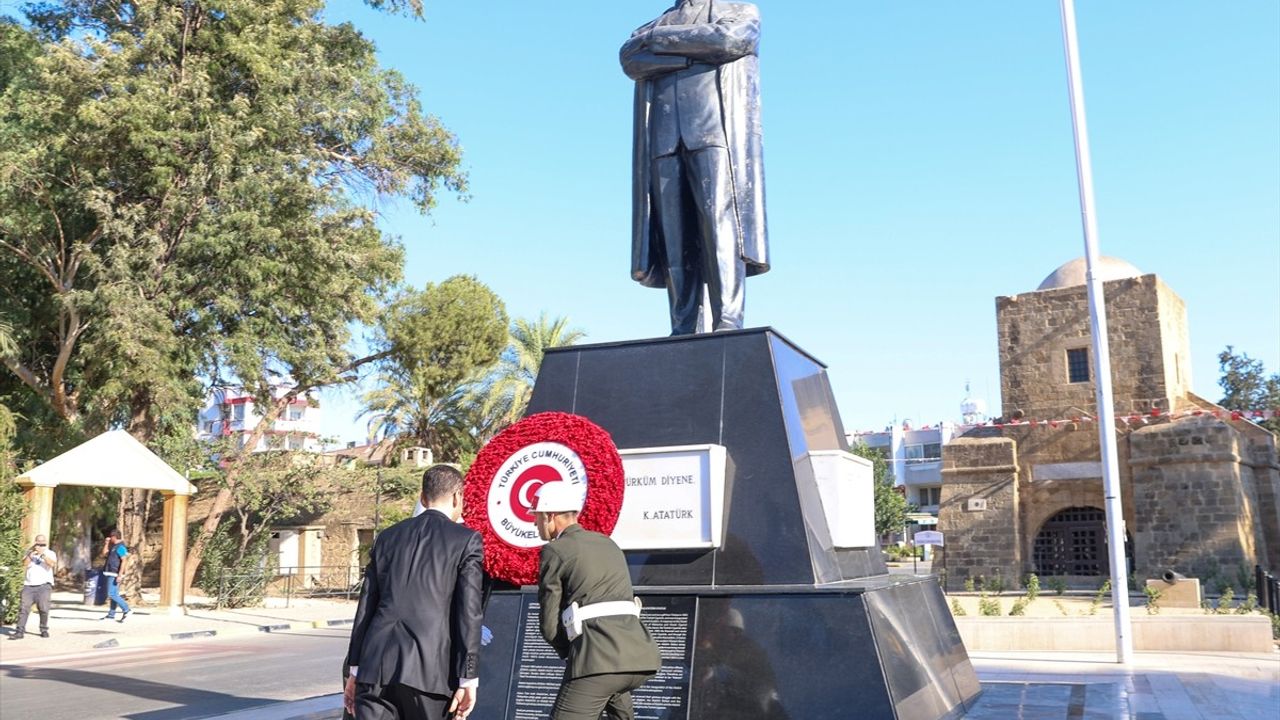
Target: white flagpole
[1101,350]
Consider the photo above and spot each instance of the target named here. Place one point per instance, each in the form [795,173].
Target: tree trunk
[134,502]
[222,501]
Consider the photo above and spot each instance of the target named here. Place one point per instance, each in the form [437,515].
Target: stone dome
[1072,273]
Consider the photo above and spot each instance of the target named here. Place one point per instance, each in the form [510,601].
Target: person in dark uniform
[415,643]
[589,612]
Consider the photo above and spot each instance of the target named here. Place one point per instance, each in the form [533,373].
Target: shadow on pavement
[192,702]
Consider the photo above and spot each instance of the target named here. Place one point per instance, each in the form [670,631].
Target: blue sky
[918,160]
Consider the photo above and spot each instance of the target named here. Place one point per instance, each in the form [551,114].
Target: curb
[143,640]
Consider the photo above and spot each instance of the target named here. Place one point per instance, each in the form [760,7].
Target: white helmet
[560,496]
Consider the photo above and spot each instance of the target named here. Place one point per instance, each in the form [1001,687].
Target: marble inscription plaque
[538,670]
[670,621]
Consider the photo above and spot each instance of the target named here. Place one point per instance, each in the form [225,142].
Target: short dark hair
[440,481]
[114,534]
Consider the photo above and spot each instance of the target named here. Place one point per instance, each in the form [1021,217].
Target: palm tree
[399,410]
[505,393]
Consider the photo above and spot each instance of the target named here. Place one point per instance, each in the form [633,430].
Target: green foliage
[1099,597]
[505,393]
[1246,385]
[1061,608]
[1153,599]
[13,508]
[957,610]
[272,488]
[1032,585]
[1019,606]
[969,584]
[392,515]
[234,572]
[1245,578]
[988,606]
[891,506]
[1058,585]
[1275,626]
[994,585]
[147,145]
[1249,605]
[1226,601]
[439,343]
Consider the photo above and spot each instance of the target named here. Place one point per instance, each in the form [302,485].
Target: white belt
[573,616]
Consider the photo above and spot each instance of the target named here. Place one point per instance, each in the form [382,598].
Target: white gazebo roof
[113,459]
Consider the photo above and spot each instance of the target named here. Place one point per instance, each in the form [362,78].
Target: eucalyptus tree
[185,193]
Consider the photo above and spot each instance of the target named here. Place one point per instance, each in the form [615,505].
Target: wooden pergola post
[173,556]
[39,517]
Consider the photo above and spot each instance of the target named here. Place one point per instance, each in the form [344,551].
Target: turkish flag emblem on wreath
[503,482]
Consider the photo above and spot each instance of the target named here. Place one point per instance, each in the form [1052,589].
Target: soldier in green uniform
[589,612]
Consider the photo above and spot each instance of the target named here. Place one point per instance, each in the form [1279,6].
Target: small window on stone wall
[1078,365]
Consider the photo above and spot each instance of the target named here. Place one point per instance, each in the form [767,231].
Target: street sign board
[928,537]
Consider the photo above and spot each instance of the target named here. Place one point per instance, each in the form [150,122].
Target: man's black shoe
[44,633]
[16,636]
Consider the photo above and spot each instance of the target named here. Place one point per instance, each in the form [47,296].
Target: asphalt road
[171,681]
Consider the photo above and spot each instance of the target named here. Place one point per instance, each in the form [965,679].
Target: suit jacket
[586,567]
[730,40]
[418,622]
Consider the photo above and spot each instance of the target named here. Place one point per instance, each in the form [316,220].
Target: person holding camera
[37,586]
[116,554]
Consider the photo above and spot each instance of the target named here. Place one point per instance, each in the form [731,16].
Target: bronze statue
[698,216]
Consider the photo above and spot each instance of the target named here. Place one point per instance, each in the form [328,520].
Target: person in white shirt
[37,586]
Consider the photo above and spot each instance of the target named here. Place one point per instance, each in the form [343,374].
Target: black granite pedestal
[776,623]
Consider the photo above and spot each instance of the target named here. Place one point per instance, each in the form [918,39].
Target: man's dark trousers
[585,698]
[399,702]
[40,595]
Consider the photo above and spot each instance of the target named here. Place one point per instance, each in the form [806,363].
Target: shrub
[1249,605]
[1019,606]
[1033,587]
[1246,578]
[968,584]
[235,579]
[1227,600]
[1099,596]
[1058,585]
[995,585]
[1275,626]
[988,606]
[956,608]
[1153,599]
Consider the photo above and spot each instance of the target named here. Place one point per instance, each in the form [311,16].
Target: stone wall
[1196,511]
[986,540]
[1060,468]
[1036,330]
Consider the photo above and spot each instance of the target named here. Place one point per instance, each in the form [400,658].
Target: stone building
[1200,489]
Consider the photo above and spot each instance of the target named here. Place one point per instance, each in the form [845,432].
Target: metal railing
[312,581]
[1268,588]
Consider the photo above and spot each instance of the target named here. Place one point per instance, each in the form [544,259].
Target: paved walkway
[77,628]
[1156,686]
[1057,686]
[1042,686]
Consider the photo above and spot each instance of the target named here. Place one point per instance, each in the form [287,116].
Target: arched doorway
[1073,542]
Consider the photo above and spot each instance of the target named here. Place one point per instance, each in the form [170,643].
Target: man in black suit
[415,644]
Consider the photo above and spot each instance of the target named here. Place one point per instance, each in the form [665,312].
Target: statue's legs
[693,196]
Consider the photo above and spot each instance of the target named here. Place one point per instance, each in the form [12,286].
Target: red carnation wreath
[502,483]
